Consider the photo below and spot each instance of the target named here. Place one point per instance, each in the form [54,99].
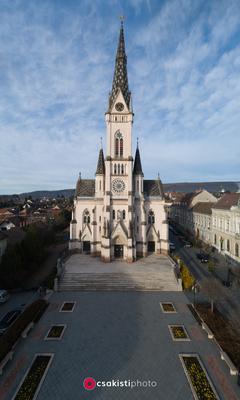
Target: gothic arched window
[86,217]
[116,147]
[122,169]
[118,144]
[119,169]
[115,169]
[124,214]
[121,147]
[113,214]
[151,217]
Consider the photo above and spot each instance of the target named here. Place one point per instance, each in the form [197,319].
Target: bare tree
[213,289]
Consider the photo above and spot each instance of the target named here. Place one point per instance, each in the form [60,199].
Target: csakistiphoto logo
[91,383]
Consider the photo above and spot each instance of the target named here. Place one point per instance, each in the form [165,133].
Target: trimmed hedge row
[32,313]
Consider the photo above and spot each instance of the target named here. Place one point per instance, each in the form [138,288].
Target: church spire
[101,164]
[120,78]
[137,169]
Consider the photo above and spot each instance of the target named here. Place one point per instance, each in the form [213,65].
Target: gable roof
[85,188]
[227,201]
[203,208]
[153,188]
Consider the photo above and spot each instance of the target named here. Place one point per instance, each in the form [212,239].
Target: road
[229,305]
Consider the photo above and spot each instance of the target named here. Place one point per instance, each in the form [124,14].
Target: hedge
[32,313]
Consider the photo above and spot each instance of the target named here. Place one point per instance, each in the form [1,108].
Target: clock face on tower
[119,106]
[118,185]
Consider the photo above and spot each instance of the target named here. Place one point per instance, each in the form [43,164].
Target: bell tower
[119,161]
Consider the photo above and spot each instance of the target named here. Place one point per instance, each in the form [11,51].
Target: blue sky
[56,69]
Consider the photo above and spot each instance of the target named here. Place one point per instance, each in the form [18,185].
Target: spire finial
[101,141]
[137,141]
[158,176]
[80,175]
[122,18]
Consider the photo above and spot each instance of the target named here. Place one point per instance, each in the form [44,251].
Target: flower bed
[168,307]
[68,306]
[198,378]
[55,332]
[34,377]
[178,332]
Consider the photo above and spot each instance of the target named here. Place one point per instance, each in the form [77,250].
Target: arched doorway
[151,246]
[118,247]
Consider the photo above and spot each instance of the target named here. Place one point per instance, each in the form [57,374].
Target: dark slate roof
[101,164]
[137,169]
[85,188]
[120,77]
[153,188]
[227,201]
[203,208]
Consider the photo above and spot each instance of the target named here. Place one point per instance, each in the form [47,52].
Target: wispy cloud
[56,67]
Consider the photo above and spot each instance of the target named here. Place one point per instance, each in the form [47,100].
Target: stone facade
[226,225]
[119,214]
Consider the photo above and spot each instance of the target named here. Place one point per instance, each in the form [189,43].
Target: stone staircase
[119,281]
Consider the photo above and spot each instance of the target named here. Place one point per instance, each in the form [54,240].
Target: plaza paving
[117,336]
[155,272]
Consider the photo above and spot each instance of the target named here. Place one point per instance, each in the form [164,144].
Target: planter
[168,307]
[55,332]
[197,376]
[68,306]
[34,377]
[178,333]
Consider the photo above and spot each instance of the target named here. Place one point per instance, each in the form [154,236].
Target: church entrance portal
[86,247]
[151,247]
[118,251]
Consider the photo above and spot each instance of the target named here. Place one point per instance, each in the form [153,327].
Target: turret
[138,173]
[100,175]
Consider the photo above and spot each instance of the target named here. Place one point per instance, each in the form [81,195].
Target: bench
[27,329]
[208,330]
[8,357]
[233,369]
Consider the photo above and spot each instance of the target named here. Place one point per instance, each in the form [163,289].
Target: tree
[213,289]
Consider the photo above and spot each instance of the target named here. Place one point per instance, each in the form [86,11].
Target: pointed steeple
[137,169]
[160,187]
[101,164]
[120,78]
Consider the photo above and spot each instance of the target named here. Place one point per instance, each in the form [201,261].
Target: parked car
[204,258]
[4,295]
[8,319]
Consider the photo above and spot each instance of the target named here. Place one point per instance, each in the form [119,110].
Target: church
[119,214]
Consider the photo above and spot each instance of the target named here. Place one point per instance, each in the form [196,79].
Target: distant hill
[185,187]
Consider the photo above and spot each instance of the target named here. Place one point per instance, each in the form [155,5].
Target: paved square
[121,336]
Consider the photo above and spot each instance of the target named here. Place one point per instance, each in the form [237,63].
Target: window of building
[236,250]
[115,168]
[228,245]
[122,169]
[113,214]
[86,217]
[215,239]
[100,218]
[118,144]
[100,185]
[151,217]
[124,214]
[99,228]
[118,169]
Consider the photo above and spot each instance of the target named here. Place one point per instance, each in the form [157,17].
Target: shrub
[31,314]
[187,278]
